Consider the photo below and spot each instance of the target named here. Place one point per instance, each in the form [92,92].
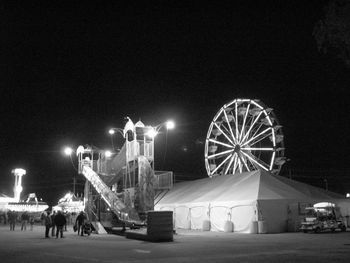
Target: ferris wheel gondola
[244,136]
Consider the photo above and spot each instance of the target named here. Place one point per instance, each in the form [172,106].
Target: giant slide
[124,212]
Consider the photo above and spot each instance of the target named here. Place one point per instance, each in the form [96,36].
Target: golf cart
[322,216]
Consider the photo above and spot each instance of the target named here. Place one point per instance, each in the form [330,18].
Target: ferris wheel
[244,136]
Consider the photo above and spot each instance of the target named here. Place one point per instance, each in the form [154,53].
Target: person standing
[24,221]
[80,222]
[66,216]
[60,221]
[31,222]
[48,223]
[53,223]
[12,216]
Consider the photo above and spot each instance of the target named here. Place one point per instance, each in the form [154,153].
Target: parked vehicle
[321,217]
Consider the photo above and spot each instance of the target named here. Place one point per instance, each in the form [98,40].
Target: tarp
[243,199]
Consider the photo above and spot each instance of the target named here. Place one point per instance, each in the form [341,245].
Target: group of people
[57,221]
[12,217]
[54,221]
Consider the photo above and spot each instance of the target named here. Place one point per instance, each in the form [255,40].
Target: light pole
[68,152]
[169,125]
[112,131]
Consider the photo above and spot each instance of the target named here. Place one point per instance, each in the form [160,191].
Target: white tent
[243,199]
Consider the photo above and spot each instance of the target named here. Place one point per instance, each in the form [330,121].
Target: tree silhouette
[332,33]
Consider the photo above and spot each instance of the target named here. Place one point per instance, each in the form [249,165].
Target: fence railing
[164,180]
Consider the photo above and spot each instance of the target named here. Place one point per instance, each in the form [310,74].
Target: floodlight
[152,133]
[68,151]
[170,125]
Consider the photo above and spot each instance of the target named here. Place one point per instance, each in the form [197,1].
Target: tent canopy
[250,186]
[241,198]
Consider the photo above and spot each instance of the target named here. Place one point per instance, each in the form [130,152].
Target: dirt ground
[188,246]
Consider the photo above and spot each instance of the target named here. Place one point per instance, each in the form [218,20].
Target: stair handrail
[110,197]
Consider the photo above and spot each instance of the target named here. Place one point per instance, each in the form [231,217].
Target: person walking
[53,223]
[60,221]
[48,223]
[24,221]
[80,222]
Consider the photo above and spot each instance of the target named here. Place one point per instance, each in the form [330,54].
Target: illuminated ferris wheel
[244,136]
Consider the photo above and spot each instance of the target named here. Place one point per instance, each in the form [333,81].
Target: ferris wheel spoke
[221,143]
[259,139]
[236,114]
[219,154]
[228,138]
[257,136]
[244,121]
[235,165]
[221,164]
[244,162]
[257,129]
[257,149]
[251,126]
[240,165]
[252,164]
[252,159]
[230,163]
[229,125]
[272,160]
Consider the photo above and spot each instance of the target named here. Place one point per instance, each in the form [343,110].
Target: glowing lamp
[108,154]
[19,171]
[68,151]
[111,131]
[170,125]
[152,133]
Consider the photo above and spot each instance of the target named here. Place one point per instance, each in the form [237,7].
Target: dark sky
[70,70]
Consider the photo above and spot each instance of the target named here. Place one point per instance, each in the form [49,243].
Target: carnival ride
[121,188]
[31,204]
[70,203]
[243,136]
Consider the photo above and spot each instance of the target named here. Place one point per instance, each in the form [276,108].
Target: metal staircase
[127,214]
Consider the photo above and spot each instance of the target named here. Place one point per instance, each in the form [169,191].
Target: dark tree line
[332,33]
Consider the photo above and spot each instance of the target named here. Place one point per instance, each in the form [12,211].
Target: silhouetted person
[24,221]
[53,223]
[60,221]
[66,215]
[48,223]
[80,222]
[12,216]
[31,222]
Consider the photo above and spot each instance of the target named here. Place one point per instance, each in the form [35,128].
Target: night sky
[70,71]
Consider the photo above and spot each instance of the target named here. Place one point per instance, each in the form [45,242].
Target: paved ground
[188,246]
